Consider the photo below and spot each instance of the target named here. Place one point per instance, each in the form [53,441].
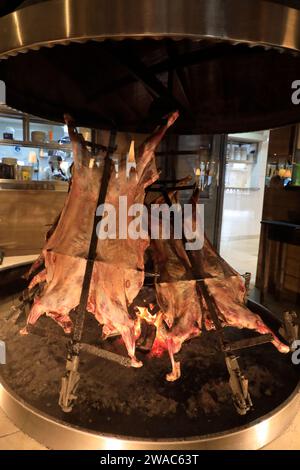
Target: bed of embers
[140,402]
[173,329]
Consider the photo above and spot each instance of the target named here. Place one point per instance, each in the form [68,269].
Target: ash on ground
[140,402]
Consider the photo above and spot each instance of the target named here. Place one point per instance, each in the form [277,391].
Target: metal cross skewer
[237,381]
[71,379]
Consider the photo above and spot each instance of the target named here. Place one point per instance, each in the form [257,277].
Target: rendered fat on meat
[229,295]
[227,288]
[118,272]
[176,293]
[183,307]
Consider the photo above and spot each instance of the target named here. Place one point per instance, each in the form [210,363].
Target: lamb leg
[176,372]
[227,288]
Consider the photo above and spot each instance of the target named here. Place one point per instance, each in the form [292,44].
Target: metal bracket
[290,328]
[19,312]
[71,379]
[247,277]
[69,385]
[2,352]
[239,386]
[237,381]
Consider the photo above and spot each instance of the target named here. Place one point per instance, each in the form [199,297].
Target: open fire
[163,303]
[79,272]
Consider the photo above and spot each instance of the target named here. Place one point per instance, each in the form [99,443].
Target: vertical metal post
[26,130]
[237,381]
[220,192]
[71,380]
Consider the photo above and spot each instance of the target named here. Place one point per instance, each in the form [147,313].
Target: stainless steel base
[59,435]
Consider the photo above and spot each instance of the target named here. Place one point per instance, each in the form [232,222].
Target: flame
[131,154]
[146,315]
[158,348]
[159,345]
[131,163]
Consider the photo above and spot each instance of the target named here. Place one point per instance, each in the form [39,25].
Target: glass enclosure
[11,128]
[51,131]
[246,160]
[37,149]
[199,157]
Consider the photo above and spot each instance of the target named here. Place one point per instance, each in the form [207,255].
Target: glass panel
[87,133]
[199,158]
[52,132]
[12,126]
[13,151]
[45,162]
[196,156]
[51,162]
[41,159]
[243,200]
[38,158]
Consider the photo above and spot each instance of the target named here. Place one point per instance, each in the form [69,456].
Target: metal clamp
[2,254]
[239,386]
[2,352]
[20,311]
[247,277]
[71,379]
[290,328]
[69,385]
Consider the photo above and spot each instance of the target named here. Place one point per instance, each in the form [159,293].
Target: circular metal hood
[7,6]
[227,65]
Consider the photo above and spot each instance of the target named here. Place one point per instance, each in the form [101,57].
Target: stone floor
[241,254]
[11,438]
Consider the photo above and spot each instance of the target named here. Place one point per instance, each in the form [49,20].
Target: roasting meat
[229,296]
[118,272]
[176,292]
[227,288]
[182,303]
[118,269]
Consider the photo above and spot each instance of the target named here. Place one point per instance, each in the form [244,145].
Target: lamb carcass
[118,272]
[181,314]
[182,303]
[227,288]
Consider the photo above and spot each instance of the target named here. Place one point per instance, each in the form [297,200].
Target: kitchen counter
[12,185]
[16,261]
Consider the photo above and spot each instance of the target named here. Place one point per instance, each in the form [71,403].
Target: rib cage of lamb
[181,309]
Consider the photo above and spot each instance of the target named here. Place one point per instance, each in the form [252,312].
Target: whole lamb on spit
[118,269]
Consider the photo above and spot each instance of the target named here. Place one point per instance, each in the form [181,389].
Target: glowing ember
[158,348]
[159,345]
[117,280]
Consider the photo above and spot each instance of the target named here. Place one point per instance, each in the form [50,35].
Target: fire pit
[76,274]
[127,408]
